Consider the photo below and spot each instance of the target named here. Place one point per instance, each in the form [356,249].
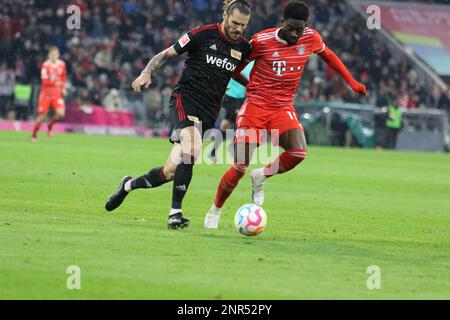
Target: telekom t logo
[279,66]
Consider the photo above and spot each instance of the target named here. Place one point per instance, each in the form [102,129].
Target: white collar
[278,37]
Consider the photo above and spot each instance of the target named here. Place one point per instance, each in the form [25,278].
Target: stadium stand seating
[117,37]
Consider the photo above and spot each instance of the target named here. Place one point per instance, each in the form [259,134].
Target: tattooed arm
[145,79]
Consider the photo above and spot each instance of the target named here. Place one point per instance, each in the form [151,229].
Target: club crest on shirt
[184,40]
[301,50]
[193,119]
[236,54]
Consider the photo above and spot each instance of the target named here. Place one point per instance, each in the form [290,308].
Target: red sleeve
[64,75]
[333,61]
[318,44]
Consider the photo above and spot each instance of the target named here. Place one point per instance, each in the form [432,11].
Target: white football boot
[258,179]
[212,218]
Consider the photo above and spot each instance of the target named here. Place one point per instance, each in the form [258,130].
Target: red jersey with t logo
[53,81]
[279,67]
[53,75]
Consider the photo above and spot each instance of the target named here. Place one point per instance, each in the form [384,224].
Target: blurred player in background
[53,91]
[214,54]
[280,56]
[232,101]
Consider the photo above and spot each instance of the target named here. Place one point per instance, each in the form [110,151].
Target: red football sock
[37,125]
[52,122]
[286,161]
[228,183]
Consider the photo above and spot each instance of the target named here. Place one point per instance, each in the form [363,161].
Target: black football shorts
[184,112]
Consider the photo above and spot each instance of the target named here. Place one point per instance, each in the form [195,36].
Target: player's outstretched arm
[145,78]
[333,61]
[238,76]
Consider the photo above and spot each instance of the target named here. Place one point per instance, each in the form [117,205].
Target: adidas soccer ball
[250,220]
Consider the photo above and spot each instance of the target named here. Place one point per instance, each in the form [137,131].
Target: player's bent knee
[191,145]
[191,153]
[41,116]
[196,150]
[297,154]
[188,158]
[169,172]
[241,168]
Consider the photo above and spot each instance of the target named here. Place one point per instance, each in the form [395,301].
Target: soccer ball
[250,220]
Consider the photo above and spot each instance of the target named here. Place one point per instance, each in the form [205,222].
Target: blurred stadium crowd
[117,38]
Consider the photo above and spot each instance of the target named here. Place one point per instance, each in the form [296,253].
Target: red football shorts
[49,99]
[253,123]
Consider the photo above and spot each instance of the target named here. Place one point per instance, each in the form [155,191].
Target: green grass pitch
[330,219]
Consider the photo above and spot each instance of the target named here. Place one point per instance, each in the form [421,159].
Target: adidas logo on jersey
[276,54]
[213,47]
[221,63]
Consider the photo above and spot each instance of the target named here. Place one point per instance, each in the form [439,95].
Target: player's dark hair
[297,10]
[242,5]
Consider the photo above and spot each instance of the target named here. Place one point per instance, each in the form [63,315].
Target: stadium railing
[345,124]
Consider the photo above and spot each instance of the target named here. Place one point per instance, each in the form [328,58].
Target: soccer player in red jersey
[53,91]
[280,56]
